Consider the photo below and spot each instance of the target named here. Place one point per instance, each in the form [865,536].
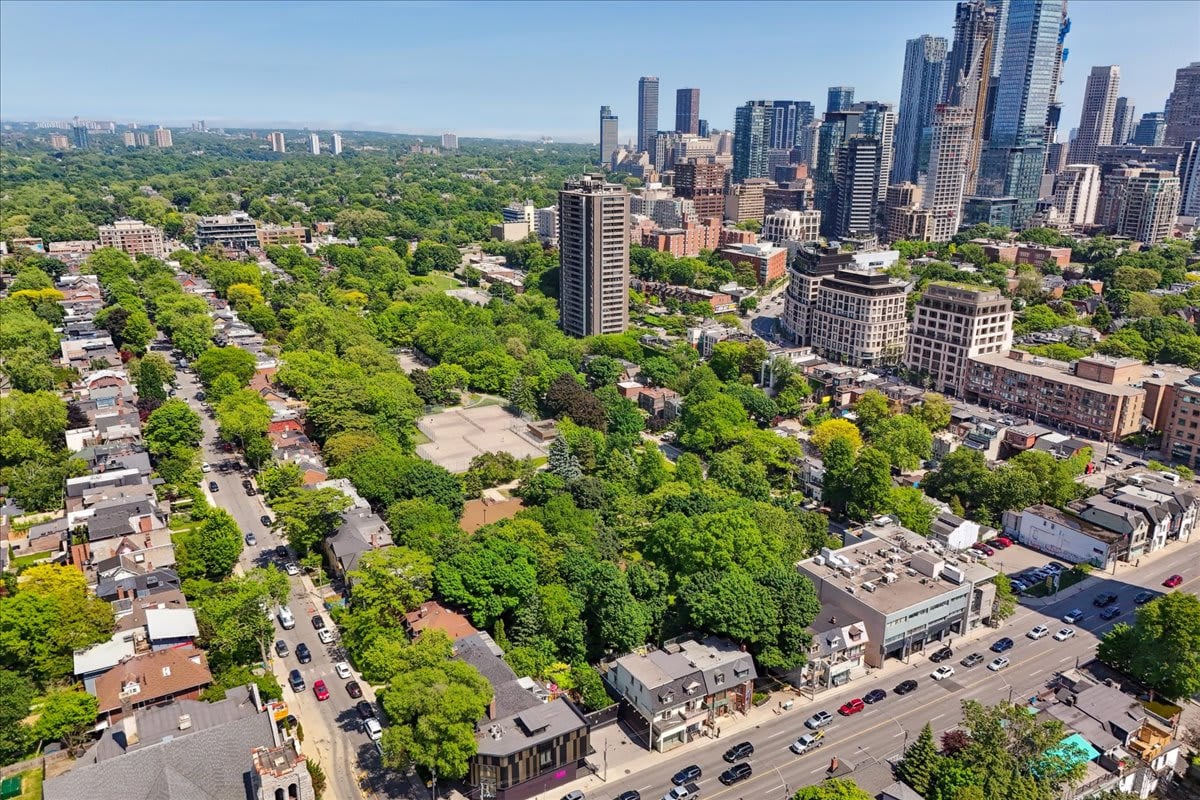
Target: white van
[286,620]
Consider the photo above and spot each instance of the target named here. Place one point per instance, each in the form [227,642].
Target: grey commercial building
[647,112]
[608,134]
[235,231]
[593,256]
[687,111]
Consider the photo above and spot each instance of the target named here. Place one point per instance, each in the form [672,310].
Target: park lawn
[1068,579]
[438,280]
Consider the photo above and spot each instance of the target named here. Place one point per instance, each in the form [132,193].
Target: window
[546,758]
[719,678]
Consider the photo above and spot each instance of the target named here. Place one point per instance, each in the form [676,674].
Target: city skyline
[363,80]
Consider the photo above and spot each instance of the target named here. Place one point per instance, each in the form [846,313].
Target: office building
[952,322]
[647,112]
[768,261]
[162,137]
[920,92]
[792,226]
[1056,158]
[1139,203]
[949,157]
[809,267]
[278,145]
[236,231]
[80,131]
[836,128]
[793,195]
[1099,110]
[856,187]
[593,220]
[60,142]
[608,135]
[1183,107]
[1189,180]
[860,317]
[745,201]
[314,144]
[1076,192]
[902,596]
[787,119]
[1097,395]
[702,182]
[134,237]
[805,151]
[1011,165]
[1054,106]
[449,141]
[1124,121]
[839,98]
[752,128]
[687,111]
[1151,129]
[335,146]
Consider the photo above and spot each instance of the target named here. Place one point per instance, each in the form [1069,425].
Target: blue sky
[501,69]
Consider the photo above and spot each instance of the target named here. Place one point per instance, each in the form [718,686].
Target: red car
[1004,541]
[1173,581]
[321,690]
[999,543]
[983,548]
[853,707]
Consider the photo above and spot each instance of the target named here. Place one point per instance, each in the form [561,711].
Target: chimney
[833,764]
[131,729]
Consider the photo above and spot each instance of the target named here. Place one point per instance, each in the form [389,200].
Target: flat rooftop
[889,569]
[1051,370]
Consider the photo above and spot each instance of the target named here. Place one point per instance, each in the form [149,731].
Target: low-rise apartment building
[1096,395]
[860,317]
[236,232]
[282,235]
[134,237]
[768,261]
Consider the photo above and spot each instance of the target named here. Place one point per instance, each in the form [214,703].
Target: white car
[1038,632]
[205,467]
[291,569]
[942,672]
[998,664]
[373,729]
[342,669]
[1073,616]
[325,635]
[1064,634]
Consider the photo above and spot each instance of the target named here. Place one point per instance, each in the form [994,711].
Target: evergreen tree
[920,762]
[561,462]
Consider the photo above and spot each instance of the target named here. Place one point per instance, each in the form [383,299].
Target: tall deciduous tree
[1162,647]
[172,425]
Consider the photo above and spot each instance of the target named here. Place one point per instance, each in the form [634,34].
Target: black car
[1104,599]
[1112,612]
[296,680]
[738,772]
[353,689]
[942,655]
[1000,645]
[265,520]
[365,709]
[281,648]
[632,794]
[972,660]
[250,491]
[905,687]
[318,622]
[1141,598]
[690,773]
[874,696]
[246,484]
[281,551]
[302,653]
[212,486]
[738,752]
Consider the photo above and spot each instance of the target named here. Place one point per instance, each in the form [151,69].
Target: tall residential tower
[1096,119]
[920,91]
[593,256]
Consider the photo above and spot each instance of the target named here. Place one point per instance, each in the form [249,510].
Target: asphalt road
[330,727]
[881,731]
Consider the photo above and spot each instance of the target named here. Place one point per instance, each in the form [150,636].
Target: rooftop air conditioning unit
[819,560]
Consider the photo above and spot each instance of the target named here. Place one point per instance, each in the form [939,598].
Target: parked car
[1064,634]
[738,752]
[1038,632]
[251,540]
[809,741]
[972,660]
[373,729]
[287,620]
[326,636]
[303,655]
[980,547]
[1000,645]
[1056,568]
[342,669]
[630,794]
[818,720]
[291,568]
[353,689]
[318,622]
[852,707]
[689,773]
[281,551]
[874,696]
[738,772]
[265,520]
[365,709]
[1173,581]
[1001,542]
[574,794]
[1073,616]
[942,655]
[1112,612]
[206,467]
[281,649]
[1104,599]
[321,690]
[942,672]
[296,680]
[1143,597]
[212,487]
[904,687]
[998,663]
